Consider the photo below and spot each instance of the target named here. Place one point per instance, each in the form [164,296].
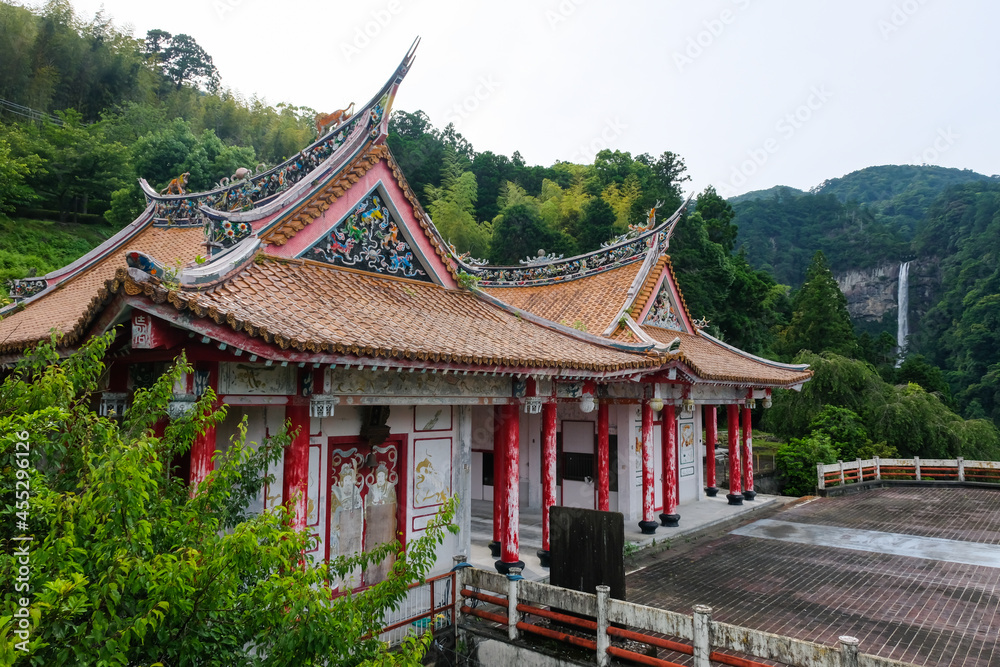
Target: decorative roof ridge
[754,357]
[53,279]
[652,258]
[647,348]
[183,208]
[673,277]
[624,251]
[336,184]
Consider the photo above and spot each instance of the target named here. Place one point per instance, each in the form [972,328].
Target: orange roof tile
[714,361]
[69,308]
[593,301]
[311,307]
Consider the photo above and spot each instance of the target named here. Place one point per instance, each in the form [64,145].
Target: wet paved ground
[917,609]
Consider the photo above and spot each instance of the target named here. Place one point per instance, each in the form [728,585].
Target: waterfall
[903,303]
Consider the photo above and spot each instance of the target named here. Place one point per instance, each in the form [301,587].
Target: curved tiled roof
[311,307]
[69,308]
[713,360]
[592,301]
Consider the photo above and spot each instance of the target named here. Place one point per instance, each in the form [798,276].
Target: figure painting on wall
[346,514]
[380,517]
[429,486]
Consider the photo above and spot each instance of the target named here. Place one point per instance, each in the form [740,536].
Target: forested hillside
[961,332]
[859,220]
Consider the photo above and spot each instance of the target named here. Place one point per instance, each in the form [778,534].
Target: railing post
[702,635]
[512,616]
[961,469]
[841,463]
[861,472]
[916,466]
[603,640]
[821,475]
[878,469]
[456,590]
[848,652]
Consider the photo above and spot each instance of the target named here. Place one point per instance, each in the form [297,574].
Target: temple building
[320,293]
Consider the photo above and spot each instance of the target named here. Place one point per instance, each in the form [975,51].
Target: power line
[28,112]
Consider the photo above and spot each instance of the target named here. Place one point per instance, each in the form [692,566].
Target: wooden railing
[843,473]
[506,605]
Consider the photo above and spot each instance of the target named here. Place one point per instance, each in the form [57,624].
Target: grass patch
[44,245]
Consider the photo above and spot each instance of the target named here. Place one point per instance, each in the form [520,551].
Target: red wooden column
[733,427]
[509,546]
[669,517]
[747,455]
[203,445]
[603,457]
[295,473]
[648,524]
[548,475]
[499,488]
[711,439]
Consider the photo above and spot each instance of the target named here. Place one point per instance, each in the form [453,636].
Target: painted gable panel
[369,239]
[664,310]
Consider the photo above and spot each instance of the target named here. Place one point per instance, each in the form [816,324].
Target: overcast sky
[750,93]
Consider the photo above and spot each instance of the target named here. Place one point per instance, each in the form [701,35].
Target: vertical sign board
[587,549]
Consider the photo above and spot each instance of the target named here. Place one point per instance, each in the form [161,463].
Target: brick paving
[922,611]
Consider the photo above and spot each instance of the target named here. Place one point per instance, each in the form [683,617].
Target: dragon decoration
[249,193]
[25,288]
[244,195]
[368,239]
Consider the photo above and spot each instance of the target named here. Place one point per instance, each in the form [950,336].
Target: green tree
[129,568]
[904,417]
[453,206]
[13,172]
[845,430]
[520,232]
[795,462]
[182,60]
[596,224]
[820,321]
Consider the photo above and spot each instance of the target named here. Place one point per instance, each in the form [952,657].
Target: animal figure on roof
[177,186]
[323,121]
[241,174]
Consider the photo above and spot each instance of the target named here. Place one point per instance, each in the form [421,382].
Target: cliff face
[872,293]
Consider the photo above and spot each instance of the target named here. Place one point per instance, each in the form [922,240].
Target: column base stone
[735,498]
[495,549]
[711,491]
[749,495]
[504,568]
[544,557]
[648,527]
[670,520]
